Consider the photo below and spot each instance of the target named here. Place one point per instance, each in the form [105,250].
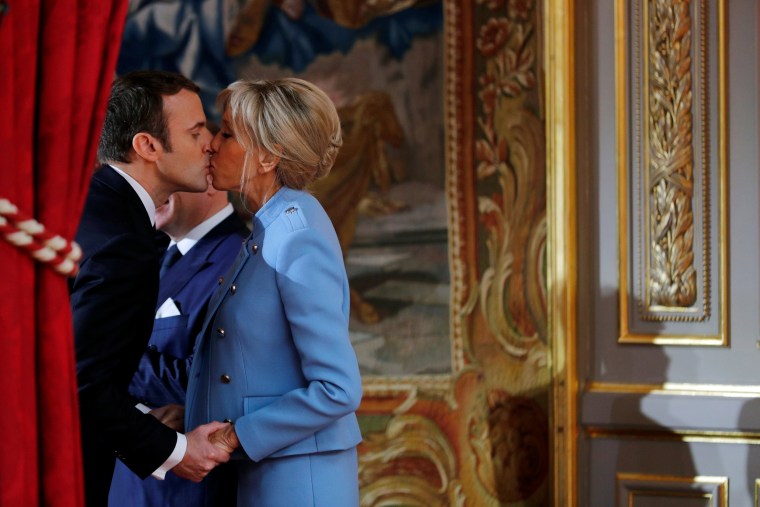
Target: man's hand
[201,456]
[172,415]
[225,438]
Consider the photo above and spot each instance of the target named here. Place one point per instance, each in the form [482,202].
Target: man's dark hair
[136,105]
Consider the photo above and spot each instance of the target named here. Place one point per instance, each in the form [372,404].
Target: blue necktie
[171,256]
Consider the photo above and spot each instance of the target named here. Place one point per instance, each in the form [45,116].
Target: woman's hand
[225,438]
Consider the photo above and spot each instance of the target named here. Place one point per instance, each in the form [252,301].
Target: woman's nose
[214,144]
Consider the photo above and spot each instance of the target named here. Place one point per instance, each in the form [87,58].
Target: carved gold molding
[677,389]
[562,244]
[669,159]
[674,435]
[665,183]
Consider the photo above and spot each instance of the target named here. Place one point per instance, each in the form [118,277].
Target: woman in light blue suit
[274,357]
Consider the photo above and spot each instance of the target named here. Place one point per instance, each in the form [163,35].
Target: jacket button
[226,379]
[220,332]
[221,280]
[255,249]
[233,289]
[228,421]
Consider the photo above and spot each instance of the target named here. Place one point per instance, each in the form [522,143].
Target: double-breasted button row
[226,379]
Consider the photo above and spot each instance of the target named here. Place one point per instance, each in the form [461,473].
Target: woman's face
[227,159]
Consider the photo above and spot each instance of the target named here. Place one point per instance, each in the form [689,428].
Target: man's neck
[179,235]
[145,175]
[187,241]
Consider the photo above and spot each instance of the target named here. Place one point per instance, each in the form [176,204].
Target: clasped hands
[207,445]
[225,438]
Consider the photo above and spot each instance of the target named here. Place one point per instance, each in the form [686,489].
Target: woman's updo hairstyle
[290,118]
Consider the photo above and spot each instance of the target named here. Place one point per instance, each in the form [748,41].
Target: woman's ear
[146,146]
[267,161]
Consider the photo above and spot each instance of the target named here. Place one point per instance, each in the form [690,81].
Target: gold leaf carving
[672,276]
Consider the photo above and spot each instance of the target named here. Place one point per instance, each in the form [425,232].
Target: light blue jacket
[274,355]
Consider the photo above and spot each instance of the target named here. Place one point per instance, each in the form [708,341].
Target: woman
[274,358]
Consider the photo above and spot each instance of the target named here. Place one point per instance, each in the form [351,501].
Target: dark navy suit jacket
[113,300]
[161,377]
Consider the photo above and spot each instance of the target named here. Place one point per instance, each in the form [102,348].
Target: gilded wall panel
[672,172]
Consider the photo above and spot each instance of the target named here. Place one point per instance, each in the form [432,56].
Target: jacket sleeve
[112,300]
[313,287]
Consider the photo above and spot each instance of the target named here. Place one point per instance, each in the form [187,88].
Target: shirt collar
[143,194]
[191,238]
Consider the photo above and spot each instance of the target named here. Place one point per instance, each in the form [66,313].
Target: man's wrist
[180,448]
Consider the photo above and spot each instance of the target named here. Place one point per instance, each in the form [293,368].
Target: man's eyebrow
[198,125]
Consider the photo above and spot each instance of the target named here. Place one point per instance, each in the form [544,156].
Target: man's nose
[209,141]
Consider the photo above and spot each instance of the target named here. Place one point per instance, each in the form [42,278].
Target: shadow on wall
[749,422]
[648,449]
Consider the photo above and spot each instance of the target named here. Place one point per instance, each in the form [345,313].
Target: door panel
[665,424]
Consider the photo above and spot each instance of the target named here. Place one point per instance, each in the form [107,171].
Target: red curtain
[56,67]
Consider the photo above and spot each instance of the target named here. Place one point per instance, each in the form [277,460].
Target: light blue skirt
[327,479]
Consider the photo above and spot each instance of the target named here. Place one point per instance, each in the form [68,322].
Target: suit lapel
[197,258]
[109,177]
[182,272]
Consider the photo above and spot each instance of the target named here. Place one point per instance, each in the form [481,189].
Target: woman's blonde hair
[290,118]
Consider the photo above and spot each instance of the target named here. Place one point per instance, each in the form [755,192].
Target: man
[208,235]
[155,141]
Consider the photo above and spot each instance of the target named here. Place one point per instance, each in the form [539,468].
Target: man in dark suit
[155,142]
[207,234]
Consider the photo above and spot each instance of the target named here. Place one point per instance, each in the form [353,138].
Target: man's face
[186,166]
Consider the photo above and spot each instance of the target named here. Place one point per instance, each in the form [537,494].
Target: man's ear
[146,146]
[268,161]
